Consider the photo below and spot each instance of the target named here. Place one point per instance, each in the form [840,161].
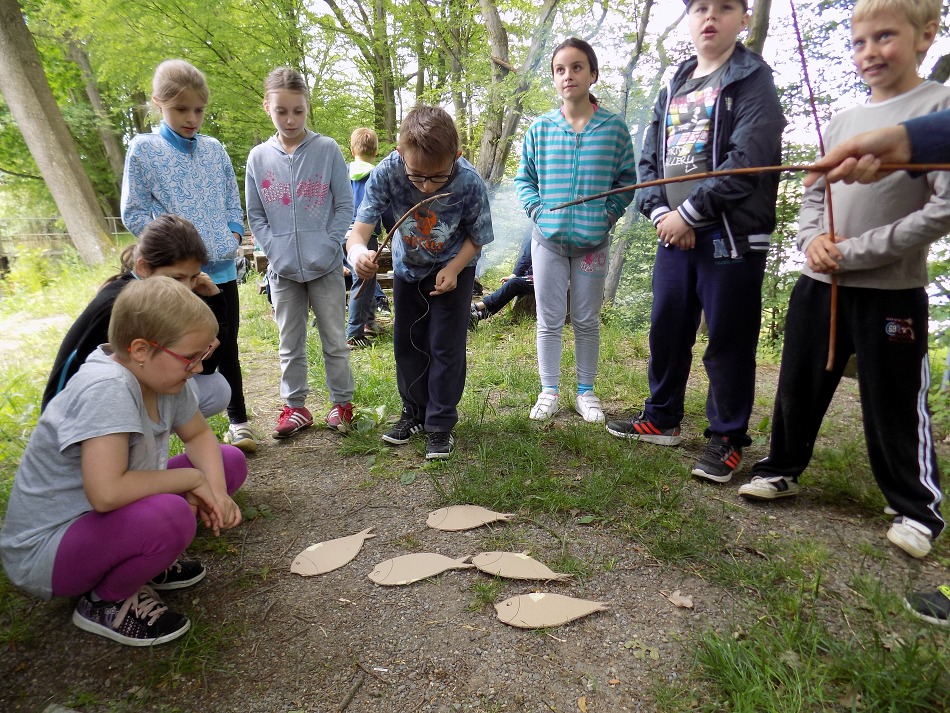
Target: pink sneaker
[292,420]
[340,417]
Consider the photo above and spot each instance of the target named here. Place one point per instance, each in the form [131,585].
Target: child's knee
[168,517]
[235,467]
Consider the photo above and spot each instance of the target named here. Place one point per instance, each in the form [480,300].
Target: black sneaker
[404,429]
[439,444]
[474,318]
[141,620]
[932,607]
[358,342]
[640,428]
[183,573]
[719,461]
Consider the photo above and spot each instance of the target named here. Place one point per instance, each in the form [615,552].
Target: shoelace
[144,603]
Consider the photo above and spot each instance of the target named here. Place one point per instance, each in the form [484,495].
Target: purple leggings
[115,553]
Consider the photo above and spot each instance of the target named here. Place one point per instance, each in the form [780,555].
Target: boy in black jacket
[720,111]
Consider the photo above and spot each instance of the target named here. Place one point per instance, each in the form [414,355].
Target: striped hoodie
[559,165]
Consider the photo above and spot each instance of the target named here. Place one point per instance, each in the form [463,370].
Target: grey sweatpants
[585,275]
[326,296]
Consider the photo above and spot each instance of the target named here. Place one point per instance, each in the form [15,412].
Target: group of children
[99,511]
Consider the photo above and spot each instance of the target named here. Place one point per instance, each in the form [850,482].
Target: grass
[794,644]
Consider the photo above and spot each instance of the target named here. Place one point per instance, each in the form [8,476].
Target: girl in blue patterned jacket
[179,171]
[576,150]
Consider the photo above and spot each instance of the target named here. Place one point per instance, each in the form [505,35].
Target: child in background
[520,282]
[299,206]
[575,150]
[97,510]
[720,111]
[434,259]
[879,256]
[364,145]
[179,171]
[169,246]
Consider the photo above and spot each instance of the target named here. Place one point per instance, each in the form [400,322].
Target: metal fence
[42,233]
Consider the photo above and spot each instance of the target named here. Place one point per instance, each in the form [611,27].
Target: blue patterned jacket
[166,173]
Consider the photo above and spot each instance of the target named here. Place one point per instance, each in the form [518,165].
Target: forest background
[368,62]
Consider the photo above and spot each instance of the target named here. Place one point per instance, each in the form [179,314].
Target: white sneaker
[911,536]
[588,406]
[240,435]
[773,488]
[544,408]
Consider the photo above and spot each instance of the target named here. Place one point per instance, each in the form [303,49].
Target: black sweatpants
[429,336]
[887,330]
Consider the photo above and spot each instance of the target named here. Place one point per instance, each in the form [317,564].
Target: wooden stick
[750,171]
[392,231]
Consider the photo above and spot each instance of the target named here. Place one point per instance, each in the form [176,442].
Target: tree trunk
[504,108]
[27,92]
[115,154]
[941,70]
[759,25]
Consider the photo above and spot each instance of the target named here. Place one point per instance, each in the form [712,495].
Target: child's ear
[141,267]
[139,350]
[458,155]
[266,106]
[927,35]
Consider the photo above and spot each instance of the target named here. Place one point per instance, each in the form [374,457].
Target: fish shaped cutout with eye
[464,517]
[327,556]
[411,568]
[539,610]
[515,565]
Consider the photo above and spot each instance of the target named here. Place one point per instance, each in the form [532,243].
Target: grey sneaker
[640,428]
[141,620]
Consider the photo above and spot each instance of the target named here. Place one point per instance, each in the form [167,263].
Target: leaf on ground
[792,660]
[582,704]
[851,700]
[408,478]
[680,600]
[586,520]
[613,682]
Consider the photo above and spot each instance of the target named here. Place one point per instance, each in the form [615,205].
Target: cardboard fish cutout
[327,556]
[541,609]
[464,517]
[411,568]
[515,565]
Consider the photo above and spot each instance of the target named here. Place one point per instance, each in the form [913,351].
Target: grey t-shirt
[47,497]
[689,132]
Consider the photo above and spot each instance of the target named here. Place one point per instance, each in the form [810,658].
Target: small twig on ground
[349,696]
[372,673]
[267,610]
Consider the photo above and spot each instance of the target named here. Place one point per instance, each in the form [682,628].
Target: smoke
[510,226]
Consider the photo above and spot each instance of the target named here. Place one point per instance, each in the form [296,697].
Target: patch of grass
[484,592]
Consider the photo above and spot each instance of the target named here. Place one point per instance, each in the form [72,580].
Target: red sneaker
[340,417]
[292,420]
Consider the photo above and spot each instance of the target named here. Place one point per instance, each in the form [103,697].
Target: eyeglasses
[437,180]
[190,364]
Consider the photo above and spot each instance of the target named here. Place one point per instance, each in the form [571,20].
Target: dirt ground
[275,641]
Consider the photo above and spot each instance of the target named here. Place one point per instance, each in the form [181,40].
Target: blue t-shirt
[433,235]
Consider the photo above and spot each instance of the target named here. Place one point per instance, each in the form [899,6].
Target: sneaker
[474,317]
[373,328]
[403,430]
[911,536]
[141,620]
[292,420]
[241,436]
[932,607]
[183,573]
[439,444]
[588,406]
[719,461]
[340,417]
[771,488]
[640,428]
[358,343]
[888,510]
[544,408]
[382,306]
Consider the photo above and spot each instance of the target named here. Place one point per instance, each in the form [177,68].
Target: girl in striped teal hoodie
[576,150]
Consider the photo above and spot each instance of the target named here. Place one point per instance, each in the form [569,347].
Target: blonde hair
[917,12]
[160,310]
[174,76]
[429,133]
[364,143]
[286,78]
